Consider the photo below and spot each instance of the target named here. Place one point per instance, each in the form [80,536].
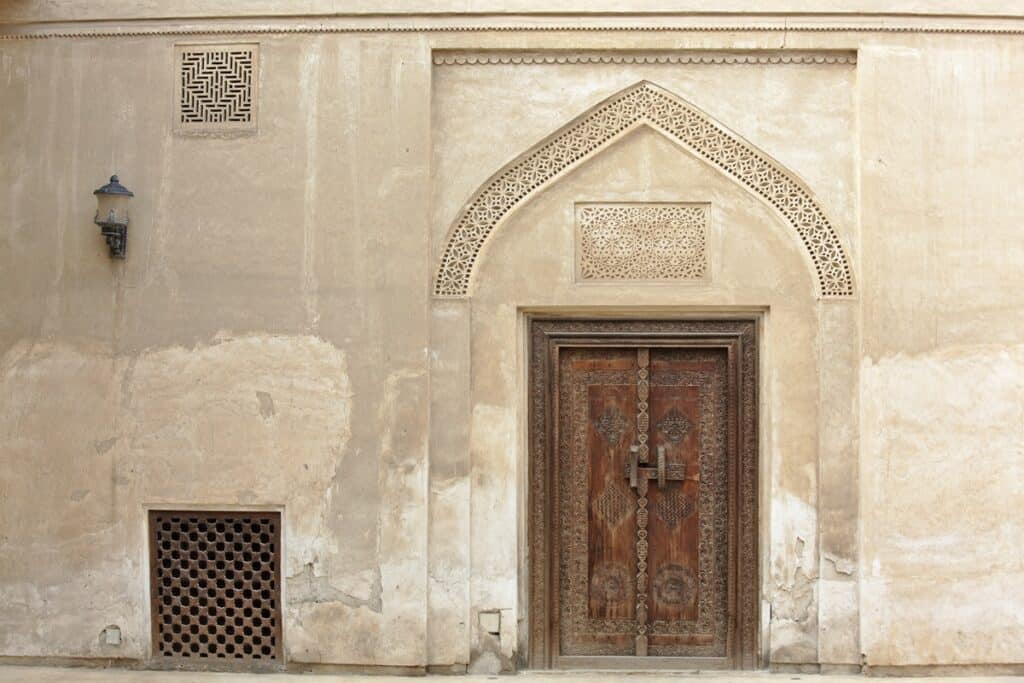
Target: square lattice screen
[216,88]
[216,588]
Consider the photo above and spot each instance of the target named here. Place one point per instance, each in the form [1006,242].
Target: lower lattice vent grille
[216,587]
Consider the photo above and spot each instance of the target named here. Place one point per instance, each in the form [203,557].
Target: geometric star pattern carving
[641,241]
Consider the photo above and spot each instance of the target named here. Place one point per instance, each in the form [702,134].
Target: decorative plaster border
[503,57]
[642,104]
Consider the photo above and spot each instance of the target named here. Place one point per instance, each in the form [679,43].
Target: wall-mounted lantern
[112,215]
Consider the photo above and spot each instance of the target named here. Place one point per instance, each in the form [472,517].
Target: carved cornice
[256,26]
[642,104]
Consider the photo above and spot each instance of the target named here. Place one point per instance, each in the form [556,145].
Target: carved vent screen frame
[730,345]
[215,589]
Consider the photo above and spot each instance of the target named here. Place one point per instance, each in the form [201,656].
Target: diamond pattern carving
[674,507]
[216,87]
[614,505]
[643,103]
[642,241]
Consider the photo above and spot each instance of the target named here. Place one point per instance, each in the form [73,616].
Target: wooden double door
[643,503]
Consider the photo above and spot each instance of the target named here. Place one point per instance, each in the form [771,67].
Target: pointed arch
[643,103]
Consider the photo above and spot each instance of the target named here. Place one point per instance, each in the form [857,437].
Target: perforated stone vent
[217,88]
[216,588]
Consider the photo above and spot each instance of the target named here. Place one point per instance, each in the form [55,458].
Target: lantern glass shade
[112,202]
[112,208]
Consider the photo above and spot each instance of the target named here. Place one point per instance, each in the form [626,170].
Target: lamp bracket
[116,235]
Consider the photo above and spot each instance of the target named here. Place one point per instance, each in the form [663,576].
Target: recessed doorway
[643,494]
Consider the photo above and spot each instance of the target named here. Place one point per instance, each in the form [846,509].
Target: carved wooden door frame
[738,338]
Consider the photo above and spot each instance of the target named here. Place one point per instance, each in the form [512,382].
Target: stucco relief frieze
[643,104]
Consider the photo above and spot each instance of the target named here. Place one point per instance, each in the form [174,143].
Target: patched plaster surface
[166,428]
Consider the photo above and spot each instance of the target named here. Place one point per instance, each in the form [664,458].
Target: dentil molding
[754,57]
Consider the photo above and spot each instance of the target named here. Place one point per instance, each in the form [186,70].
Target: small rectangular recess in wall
[642,241]
[216,88]
[215,589]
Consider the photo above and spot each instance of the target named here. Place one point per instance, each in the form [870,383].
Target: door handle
[661,466]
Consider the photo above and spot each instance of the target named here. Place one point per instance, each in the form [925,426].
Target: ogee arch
[643,103]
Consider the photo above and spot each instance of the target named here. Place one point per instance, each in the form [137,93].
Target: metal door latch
[662,471]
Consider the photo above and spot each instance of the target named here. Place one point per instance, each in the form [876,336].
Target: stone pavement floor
[35,674]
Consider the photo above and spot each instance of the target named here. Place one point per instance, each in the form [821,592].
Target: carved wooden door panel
[643,507]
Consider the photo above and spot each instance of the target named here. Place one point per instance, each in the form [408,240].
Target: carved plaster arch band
[642,103]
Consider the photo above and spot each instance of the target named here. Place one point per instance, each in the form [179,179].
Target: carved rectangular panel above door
[643,510]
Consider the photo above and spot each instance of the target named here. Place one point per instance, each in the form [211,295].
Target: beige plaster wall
[253,350]
[271,340]
[941,364]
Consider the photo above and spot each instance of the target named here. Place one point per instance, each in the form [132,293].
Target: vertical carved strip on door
[643,359]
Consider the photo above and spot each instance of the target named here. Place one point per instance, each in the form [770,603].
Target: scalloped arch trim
[643,103]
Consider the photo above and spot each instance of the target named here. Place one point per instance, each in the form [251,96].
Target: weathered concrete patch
[266,404]
[792,585]
[308,587]
[493,579]
[104,445]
